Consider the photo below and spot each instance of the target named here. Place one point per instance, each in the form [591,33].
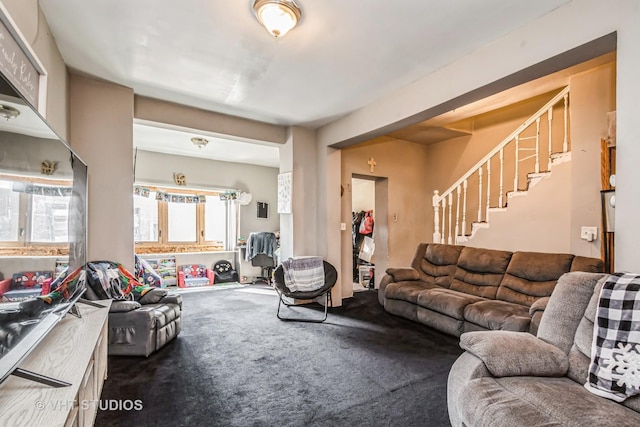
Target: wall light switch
[589,233]
[343,226]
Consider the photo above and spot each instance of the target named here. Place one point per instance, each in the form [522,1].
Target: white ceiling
[214,55]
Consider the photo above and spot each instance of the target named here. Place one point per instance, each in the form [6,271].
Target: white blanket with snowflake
[614,371]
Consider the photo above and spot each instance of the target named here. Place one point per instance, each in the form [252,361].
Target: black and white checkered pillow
[614,371]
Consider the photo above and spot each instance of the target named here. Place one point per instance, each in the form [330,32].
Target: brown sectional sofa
[458,289]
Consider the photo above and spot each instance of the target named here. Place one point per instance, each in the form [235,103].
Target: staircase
[510,170]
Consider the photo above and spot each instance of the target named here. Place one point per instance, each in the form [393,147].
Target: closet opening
[369,232]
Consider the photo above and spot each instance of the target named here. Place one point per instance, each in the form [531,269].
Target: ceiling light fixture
[8,112]
[199,142]
[277,16]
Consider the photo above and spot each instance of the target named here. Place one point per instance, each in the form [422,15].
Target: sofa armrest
[124,306]
[211,276]
[5,285]
[538,305]
[403,274]
[508,354]
[172,298]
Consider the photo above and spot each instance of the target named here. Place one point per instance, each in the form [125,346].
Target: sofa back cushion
[532,275]
[590,265]
[436,263]
[480,271]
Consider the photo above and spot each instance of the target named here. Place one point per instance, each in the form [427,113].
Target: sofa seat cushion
[407,291]
[536,401]
[498,315]
[446,301]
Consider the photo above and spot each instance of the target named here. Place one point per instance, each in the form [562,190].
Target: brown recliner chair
[138,324]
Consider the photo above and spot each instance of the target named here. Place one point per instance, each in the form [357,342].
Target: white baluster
[458,214]
[500,204]
[480,194]
[436,217]
[486,218]
[450,240]
[538,145]
[464,207]
[444,218]
[565,143]
[515,179]
[550,119]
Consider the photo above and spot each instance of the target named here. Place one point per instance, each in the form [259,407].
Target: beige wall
[573,24]
[402,164]
[101,131]
[363,194]
[553,212]
[298,230]
[593,94]
[260,181]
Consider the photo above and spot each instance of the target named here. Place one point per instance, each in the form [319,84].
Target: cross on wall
[372,164]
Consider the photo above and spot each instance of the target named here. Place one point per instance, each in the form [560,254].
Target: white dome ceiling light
[277,16]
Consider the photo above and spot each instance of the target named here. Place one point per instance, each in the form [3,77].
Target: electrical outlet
[589,233]
[343,226]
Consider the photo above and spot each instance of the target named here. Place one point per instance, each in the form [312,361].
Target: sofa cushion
[446,301]
[508,354]
[480,271]
[498,315]
[566,309]
[406,291]
[438,265]
[528,401]
[532,275]
[590,265]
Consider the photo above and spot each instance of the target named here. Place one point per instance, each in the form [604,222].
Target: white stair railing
[444,226]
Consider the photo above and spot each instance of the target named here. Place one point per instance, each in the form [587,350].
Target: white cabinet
[75,351]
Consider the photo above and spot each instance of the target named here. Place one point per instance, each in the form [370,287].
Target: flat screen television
[43,229]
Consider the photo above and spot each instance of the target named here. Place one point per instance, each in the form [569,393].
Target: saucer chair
[330,279]
[224,273]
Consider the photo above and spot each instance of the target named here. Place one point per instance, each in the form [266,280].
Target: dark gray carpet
[236,364]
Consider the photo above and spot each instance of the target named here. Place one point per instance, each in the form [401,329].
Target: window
[145,218]
[215,220]
[49,219]
[33,212]
[9,213]
[182,222]
[162,225]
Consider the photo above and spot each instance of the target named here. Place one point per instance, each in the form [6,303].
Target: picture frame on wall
[263,210]
[285,192]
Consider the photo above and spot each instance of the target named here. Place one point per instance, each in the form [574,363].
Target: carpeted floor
[236,364]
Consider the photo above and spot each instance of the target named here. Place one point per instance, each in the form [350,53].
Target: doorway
[368,230]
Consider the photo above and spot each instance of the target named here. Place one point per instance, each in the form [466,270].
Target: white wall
[260,181]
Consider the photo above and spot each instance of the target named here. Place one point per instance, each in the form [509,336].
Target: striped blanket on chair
[614,371]
[303,274]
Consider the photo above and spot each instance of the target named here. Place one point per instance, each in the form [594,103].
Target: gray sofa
[138,328]
[458,289]
[140,322]
[517,379]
